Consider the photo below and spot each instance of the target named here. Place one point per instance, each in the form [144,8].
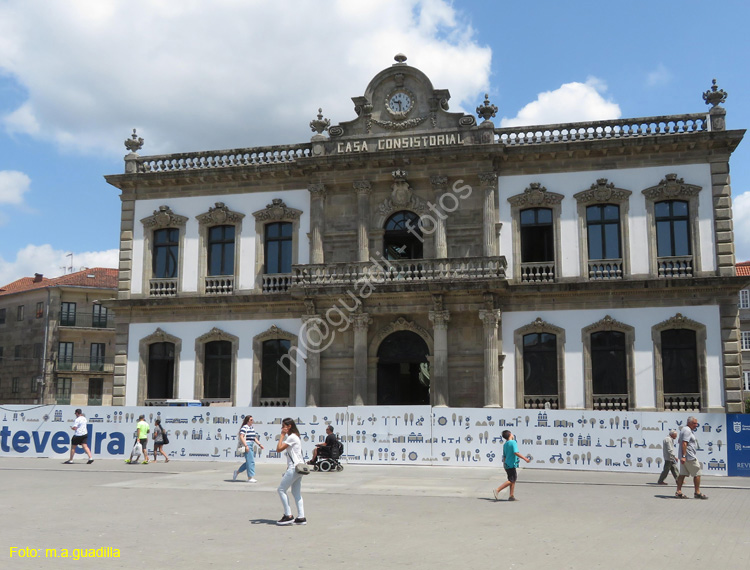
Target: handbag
[164,438]
[302,468]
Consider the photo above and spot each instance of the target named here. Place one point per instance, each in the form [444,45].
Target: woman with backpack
[160,439]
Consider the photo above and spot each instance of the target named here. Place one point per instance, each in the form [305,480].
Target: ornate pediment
[607,324]
[401,324]
[671,187]
[539,326]
[275,332]
[216,334]
[160,336]
[679,321]
[535,195]
[277,211]
[602,191]
[219,214]
[164,217]
[402,197]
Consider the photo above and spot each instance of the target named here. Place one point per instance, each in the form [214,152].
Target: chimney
[38,277]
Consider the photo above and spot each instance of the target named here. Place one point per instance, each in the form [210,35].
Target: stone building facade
[57,339]
[743,270]
[414,255]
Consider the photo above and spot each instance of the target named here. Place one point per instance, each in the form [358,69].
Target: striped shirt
[250,435]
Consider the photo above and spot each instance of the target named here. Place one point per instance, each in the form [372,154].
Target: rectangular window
[2,316]
[537,241]
[746,378]
[221,250]
[17,352]
[745,299]
[97,356]
[39,310]
[672,230]
[67,314]
[278,242]
[33,385]
[62,391]
[96,391]
[603,227]
[19,313]
[37,350]
[166,249]
[15,385]
[1,354]
[745,338]
[65,356]
[99,317]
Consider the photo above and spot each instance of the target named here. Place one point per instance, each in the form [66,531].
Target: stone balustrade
[401,271]
[539,272]
[276,283]
[675,267]
[682,402]
[605,269]
[220,285]
[159,287]
[551,402]
[611,402]
[256,156]
[597,130]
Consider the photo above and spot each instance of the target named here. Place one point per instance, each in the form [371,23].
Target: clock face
[400,103]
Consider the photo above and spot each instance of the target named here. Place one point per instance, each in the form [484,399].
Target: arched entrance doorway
[403,370]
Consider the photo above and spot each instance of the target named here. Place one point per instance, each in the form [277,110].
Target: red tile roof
[743,269]
[98,277]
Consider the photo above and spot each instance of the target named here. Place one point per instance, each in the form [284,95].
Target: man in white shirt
[80,437]
[687,453]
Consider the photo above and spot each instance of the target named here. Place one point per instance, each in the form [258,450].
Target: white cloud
[191,76]
[52,262]
[740,212]
[13,185]
[659,76]
[572,102]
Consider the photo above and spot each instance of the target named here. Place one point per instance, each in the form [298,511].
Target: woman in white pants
[289,441]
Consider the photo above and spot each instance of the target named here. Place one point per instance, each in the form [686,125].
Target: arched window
[403,372]
[403,238]
[160,375]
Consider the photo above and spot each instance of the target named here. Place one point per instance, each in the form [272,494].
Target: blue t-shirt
[509,451]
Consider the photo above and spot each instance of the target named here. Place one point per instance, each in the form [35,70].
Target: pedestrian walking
[159,435]
[248,437]
[289,442]
[143,428]
[687,453]
[670,457]
[80,437]
[511,456]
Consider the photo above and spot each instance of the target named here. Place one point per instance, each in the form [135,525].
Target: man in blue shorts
[510,462]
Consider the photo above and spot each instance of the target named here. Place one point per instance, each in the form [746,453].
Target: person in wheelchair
[326,448]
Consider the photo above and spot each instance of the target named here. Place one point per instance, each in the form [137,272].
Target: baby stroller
[331,463]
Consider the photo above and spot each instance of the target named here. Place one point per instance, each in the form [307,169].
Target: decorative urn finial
[134,143]
[714,96]
[400,58]
[320,124]
[486,111]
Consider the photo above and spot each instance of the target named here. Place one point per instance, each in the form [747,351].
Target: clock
[398,103]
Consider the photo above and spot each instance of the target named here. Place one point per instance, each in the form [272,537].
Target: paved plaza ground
[192,515]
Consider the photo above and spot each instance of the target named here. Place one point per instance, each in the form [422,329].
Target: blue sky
[77,76]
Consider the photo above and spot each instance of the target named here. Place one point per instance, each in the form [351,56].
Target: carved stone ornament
[317,190]
[400,125]
[535,195]
[216,334]
[402,197]
[219,214]
[714,96]
[488,179]
[362,186]
[679,321]
[275,332]
[320,124]
[486,111]
[160,336]
[491,318]
[671,187]
[467,121]
[134,143]
[539,326]
[602,191]
[164,217]
[439,319]
[360,321]
[607,324]
[401,324]
[439,182]
[277,210]
[335,131]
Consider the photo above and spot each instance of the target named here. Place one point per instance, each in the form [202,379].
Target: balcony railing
[274,402]
[551,402]
[611,402]
[220,285]
[541,272]
[105,365]
[605,269]
[682,402]
[402,271]
[277,282]
[162,287]
[88,320]
[597,130]
[675,267]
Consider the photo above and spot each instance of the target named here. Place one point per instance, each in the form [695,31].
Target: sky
[76,77]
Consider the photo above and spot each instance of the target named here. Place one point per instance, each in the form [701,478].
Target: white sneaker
[252,480]
[234,475]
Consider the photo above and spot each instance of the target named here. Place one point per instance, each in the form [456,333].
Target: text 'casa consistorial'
[393,143]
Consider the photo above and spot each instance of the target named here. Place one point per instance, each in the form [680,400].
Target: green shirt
[142,427]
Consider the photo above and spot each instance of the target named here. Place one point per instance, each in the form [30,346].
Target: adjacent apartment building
[743,270]
[414,255]
[57,339]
